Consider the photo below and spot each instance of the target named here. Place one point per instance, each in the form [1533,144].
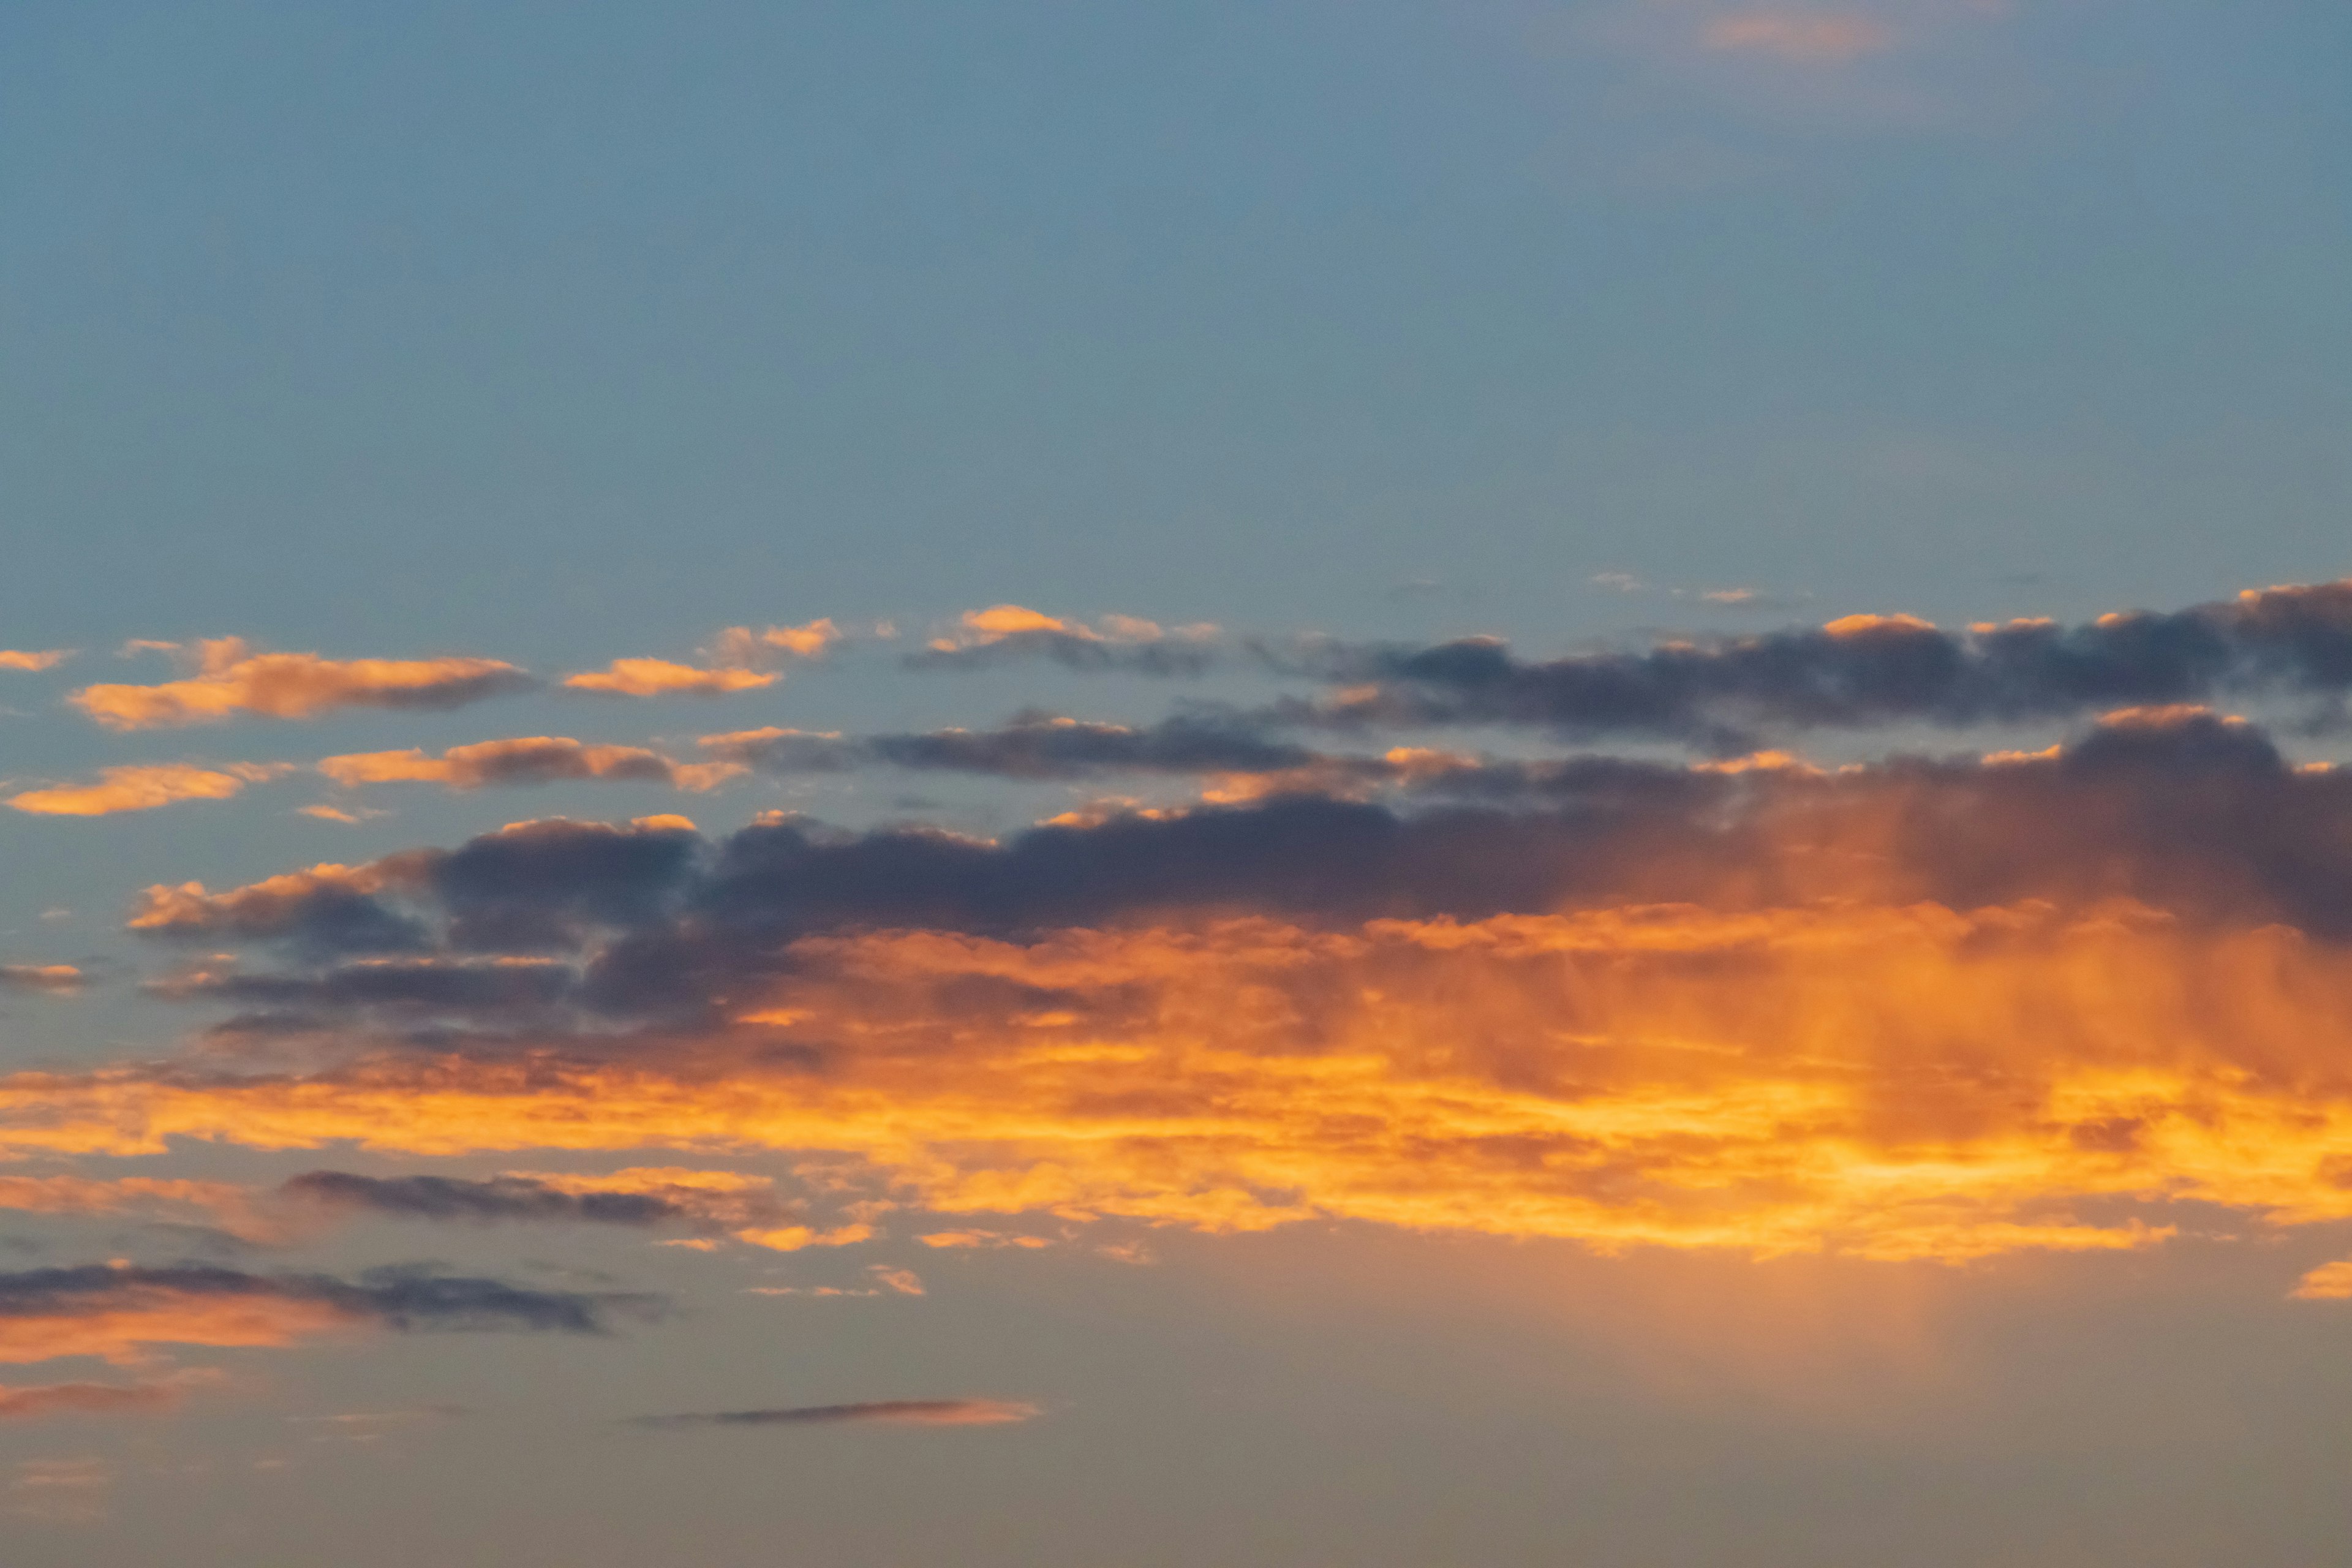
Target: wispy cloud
[883,1411]
[659,678]
[231,679]
[980,638]
[145,786]
[526,760]
[47,659]
[55,979]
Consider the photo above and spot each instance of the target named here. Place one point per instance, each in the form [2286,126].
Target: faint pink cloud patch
[1803,37]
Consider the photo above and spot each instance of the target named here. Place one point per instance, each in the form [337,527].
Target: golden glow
[1886,1081]
[47,659]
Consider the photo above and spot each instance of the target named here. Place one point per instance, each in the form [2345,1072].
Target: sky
[1525,782]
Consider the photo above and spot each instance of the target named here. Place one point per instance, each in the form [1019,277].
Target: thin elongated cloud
[880,1412]
[52,979]
[526,760]
[156,1397]
[145,786]
[47,659]
[703,1203]
[1855,672]
[1804,37]
[1033,746]
[1003,633]
[116,1311]
[659,678]
[231,681]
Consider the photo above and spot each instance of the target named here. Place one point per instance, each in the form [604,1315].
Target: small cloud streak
[47,659]
[659,678]
[53,979]
[145,786]
[881,1413]
[747,649]
[156,1398]
[981,639]
[526,760]
[231,681]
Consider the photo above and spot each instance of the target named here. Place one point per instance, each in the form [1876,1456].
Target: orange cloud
[659,678]
[1805,38]
[232,680]
[1884,1081]
[529,760]
[49,658]
[2328,1282]
[124,1332]
[57,979]
[742,646]
[145,786]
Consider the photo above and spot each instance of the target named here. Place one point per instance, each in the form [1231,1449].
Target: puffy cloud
[333,906]
[115,1311]
[884,1412]
[659,678]
[529,759]
[55,979]
[47,659]
[981,639]
[145,786]
[232,680]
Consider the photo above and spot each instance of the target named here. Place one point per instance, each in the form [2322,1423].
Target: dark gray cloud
[2177,809]
[1863,670]
[1034,745]
[400,1297]
[525,1199]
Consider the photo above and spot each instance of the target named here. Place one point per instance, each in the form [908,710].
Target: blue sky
[1651,336]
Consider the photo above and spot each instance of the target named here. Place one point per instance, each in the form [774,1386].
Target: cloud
[335,907]
[742,647]
[71,1491]
[529,759]
[706,1203]
[52,979]
[21,1403]
[1804,37]
[1915,1009]
[145,786]
[2328,1282]
[884,1412]
[659,678]
[232,680]
[49,658]
[1855,672]
[1033,746]
[150,1197]
[982,638]
[115,1311]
